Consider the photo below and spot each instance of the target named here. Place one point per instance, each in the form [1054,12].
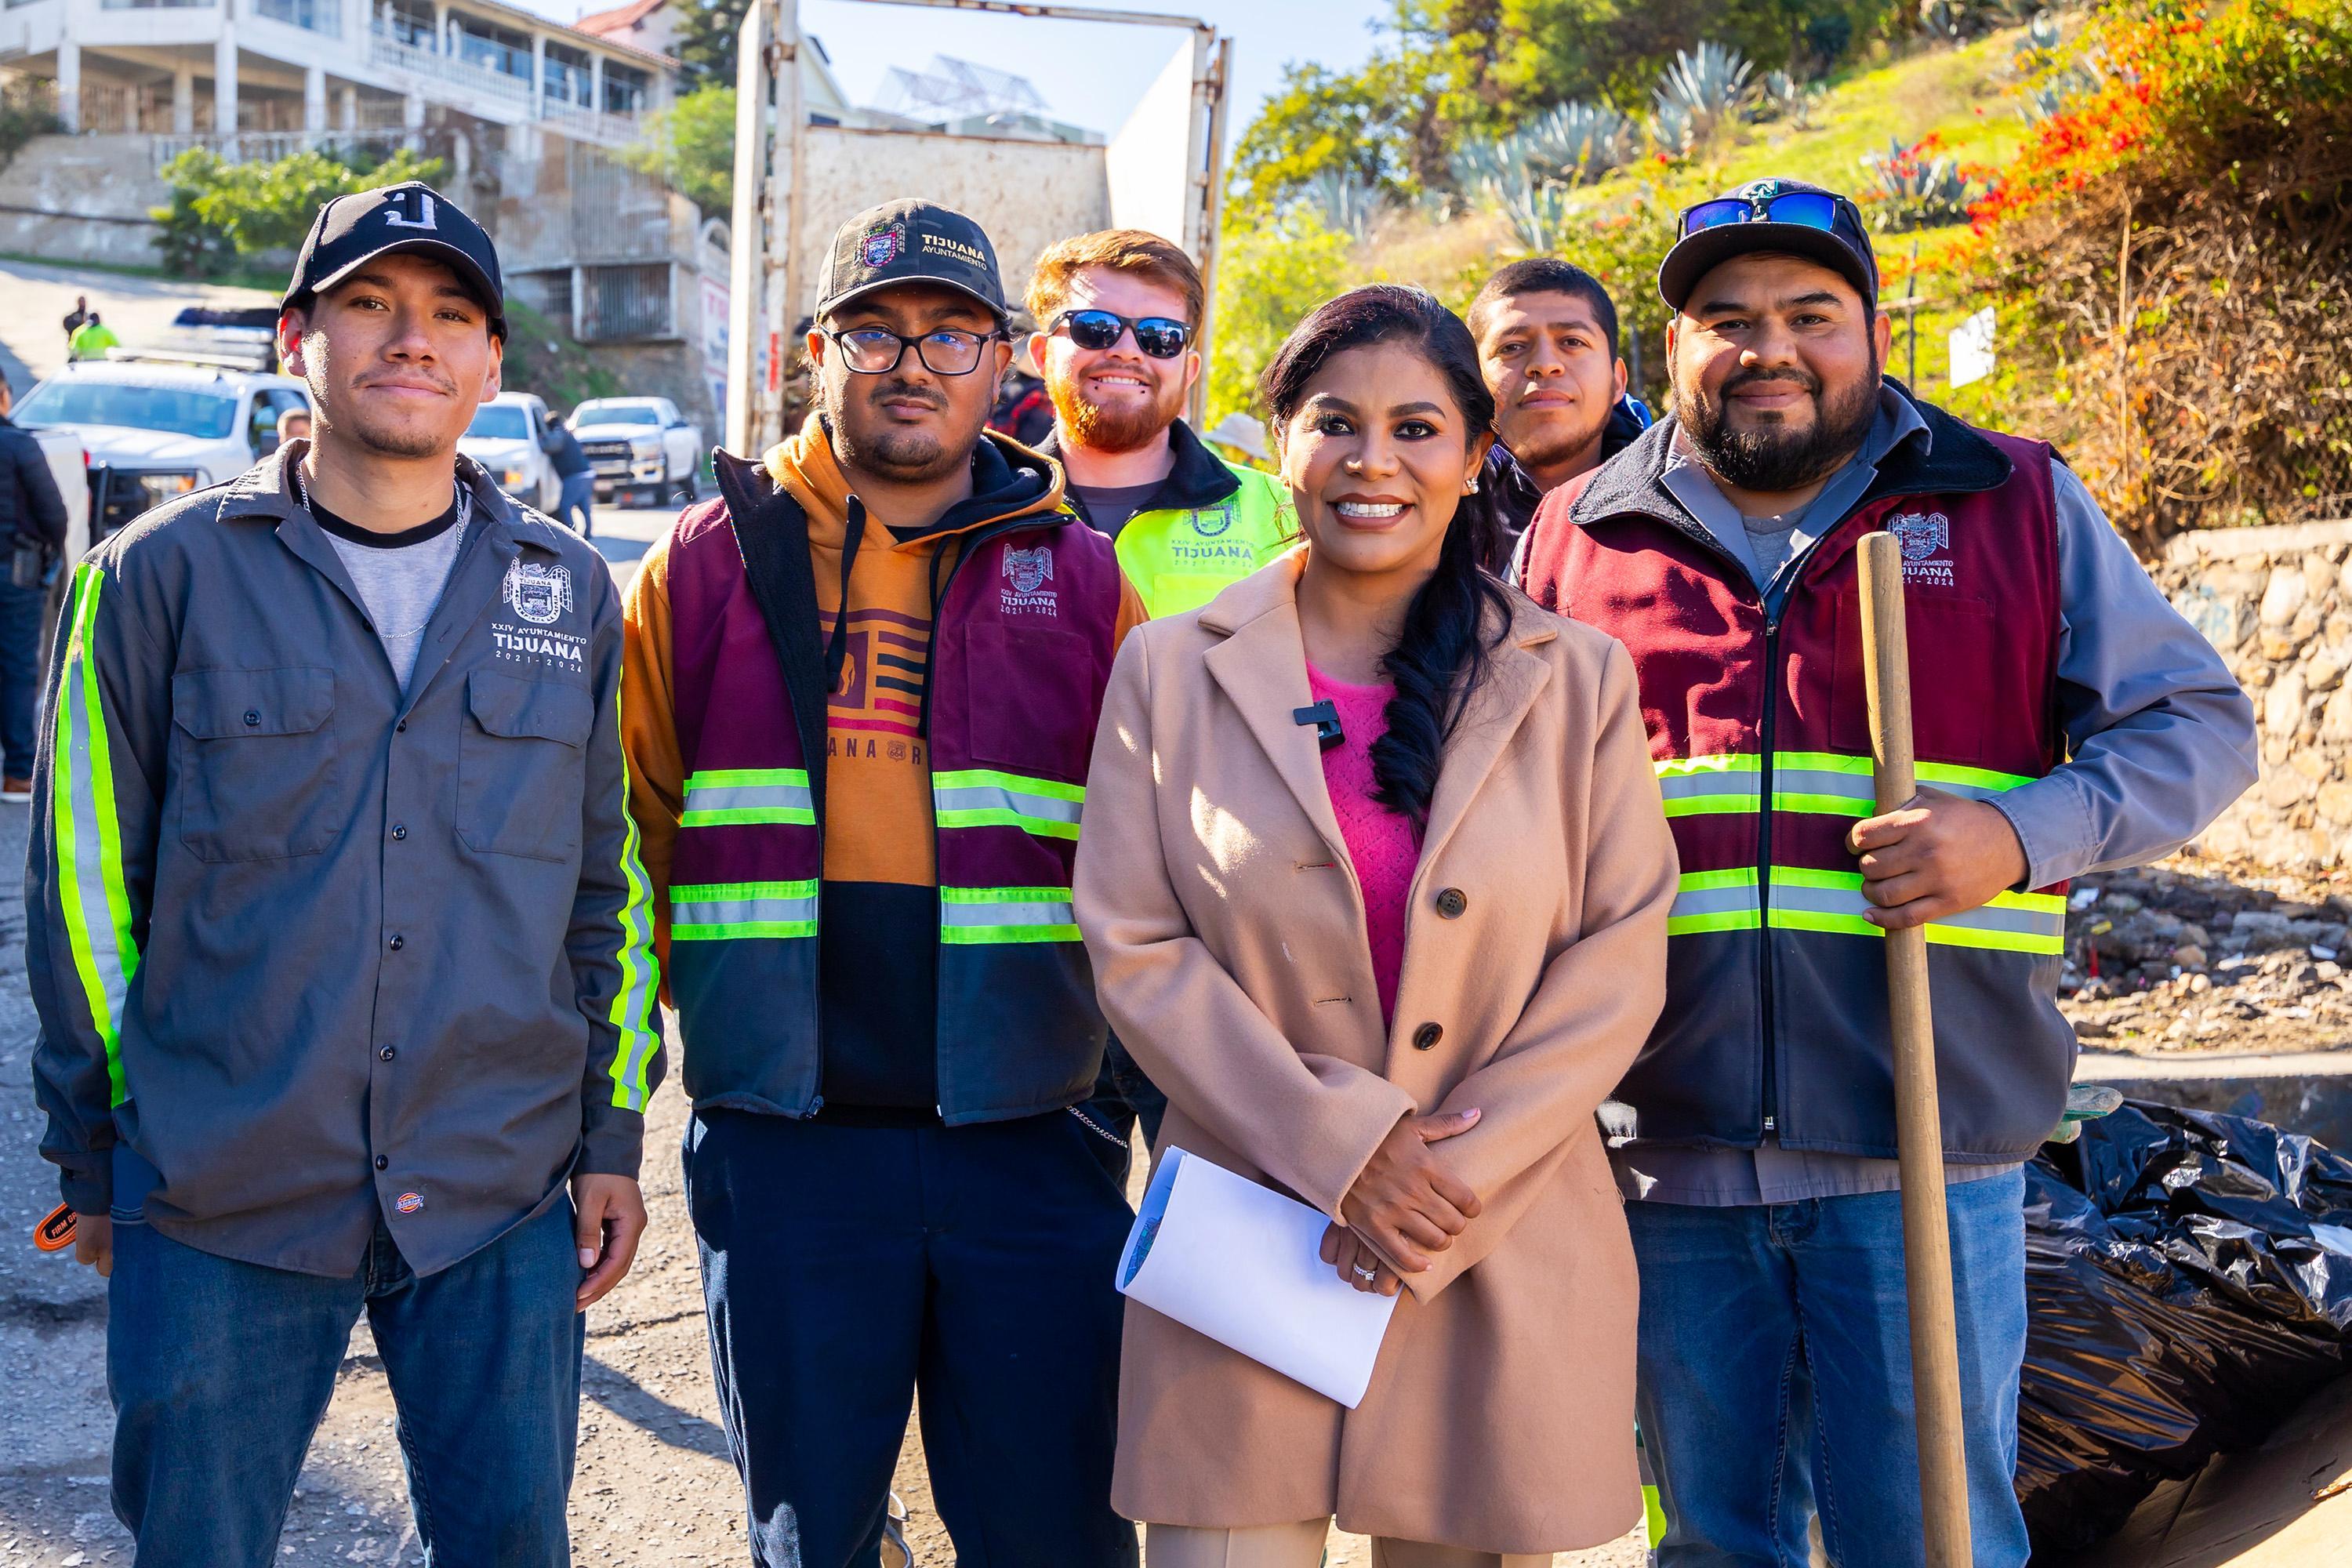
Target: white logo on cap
[394,218]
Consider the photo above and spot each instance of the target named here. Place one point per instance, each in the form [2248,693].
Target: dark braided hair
[1462,613]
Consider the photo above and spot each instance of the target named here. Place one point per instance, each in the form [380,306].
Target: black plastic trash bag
[2188,1281]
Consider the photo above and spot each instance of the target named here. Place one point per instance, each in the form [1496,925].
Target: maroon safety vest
[1776,1015]
[1021,651]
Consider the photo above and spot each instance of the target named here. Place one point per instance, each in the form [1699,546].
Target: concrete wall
[2277,601]
[82,198]
[1027,195]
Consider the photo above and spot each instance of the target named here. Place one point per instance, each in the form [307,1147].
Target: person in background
[1390,964]
[1547,334]
[91,339]
[1022,410]
[572,466]
[863,685]
[32,514]
[73,319]
[1119,310]
[339,942]
[1242,436]
[2066,720]
[293,424]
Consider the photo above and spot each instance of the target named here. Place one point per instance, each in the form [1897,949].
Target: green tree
[1269,275]
[704,43]
[691,144]
[222,210]
[1319,122]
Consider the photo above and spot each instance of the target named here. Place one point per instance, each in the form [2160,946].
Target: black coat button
[1426,1037]
[253,718]
[387,1053]
[398,943]
[399,831]
[402,727]
[1452,902]
[382,1163]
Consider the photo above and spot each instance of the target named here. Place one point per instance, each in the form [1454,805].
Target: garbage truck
[802,167]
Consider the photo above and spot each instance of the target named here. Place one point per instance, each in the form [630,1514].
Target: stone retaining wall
[2277,603]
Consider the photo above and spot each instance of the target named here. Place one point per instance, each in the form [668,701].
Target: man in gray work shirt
[341,948]
[2066,721]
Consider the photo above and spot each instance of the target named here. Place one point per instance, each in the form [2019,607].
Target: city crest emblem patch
[537,591]
[1922,533]
[1030,570]
[882,246]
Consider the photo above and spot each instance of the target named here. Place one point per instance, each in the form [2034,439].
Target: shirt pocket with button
[257,764]
[522,766]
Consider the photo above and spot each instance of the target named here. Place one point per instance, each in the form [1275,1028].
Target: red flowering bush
[2177,240]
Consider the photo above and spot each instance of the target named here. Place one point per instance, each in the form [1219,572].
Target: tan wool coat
[1227,932]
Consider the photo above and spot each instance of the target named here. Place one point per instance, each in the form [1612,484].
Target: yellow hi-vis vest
[1180,559]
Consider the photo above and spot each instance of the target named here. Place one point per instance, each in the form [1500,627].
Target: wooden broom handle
[1919,1123]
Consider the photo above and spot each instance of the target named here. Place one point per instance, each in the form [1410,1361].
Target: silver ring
[1365,1274]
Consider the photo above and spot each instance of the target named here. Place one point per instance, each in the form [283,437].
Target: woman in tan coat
[1394,978]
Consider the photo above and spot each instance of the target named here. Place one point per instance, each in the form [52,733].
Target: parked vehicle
[509,437]
[161,428]
[640,448]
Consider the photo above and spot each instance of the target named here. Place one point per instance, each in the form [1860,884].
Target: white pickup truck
[640,445]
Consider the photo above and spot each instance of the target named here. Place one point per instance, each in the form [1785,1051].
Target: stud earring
[1471,488]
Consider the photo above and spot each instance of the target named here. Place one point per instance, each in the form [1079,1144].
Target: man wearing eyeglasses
[862,694]
[1119,314]
[2066,721]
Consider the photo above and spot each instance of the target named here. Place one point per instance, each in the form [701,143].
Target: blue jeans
[1775,1376]
[20,672]
[579,496]
[846,1266]
[220,1372]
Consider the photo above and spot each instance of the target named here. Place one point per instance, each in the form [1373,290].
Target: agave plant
[1673,132]
[1575,144]
[1707,84]
[1346,204]
[1786,98]
[1918,187]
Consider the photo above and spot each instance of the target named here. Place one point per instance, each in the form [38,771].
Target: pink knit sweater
[1384,845]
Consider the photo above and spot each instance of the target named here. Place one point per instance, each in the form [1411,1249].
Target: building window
[412,23]
[625,89]
[568,79]
[493,49]
[625,302]
[315,15]
[549,293]
[139,4]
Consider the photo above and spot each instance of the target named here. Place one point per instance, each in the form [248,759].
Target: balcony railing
[385,50]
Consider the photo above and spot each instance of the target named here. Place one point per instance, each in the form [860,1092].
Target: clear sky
[1089,73]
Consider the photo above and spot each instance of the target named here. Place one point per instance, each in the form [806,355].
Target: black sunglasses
[877,351]
[1809,209]
[1157,336]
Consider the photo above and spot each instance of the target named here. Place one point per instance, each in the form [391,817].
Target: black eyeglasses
[877,351]
[1812,209]
[1157,336]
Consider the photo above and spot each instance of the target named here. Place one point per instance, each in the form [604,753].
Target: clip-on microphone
[1325,719]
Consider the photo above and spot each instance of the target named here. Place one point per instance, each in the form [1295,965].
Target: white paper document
[1238,1262]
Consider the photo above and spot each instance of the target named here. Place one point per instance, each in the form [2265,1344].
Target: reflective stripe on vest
[980,797]
[1824,784]
[719,911]
[722,796]
[1806,900]
[972,916]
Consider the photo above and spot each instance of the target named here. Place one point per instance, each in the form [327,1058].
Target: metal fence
[627,303]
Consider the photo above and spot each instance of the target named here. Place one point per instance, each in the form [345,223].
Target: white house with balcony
[218,68]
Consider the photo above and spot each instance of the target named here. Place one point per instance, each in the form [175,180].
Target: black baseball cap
[413,218]
[909,241]
[1789,216]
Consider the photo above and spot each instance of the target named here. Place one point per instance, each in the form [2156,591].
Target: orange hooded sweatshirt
[879,915]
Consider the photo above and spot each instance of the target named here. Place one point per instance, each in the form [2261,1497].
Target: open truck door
[796,181]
